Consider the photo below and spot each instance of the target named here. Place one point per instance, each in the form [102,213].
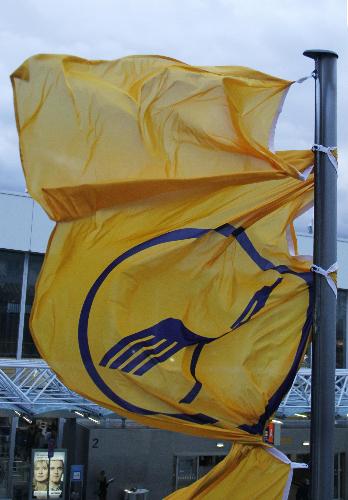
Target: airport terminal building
[38,412]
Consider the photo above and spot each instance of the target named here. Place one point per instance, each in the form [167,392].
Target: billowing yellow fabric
[168,293]
[232,478]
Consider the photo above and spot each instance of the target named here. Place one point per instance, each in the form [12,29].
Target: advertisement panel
[48,474]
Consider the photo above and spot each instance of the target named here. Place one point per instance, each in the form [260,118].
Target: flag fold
[171,291]
[271,476]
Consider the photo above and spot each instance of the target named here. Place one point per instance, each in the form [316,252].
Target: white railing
[30,386]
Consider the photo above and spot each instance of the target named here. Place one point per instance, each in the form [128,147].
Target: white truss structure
[298,399]
[30,387]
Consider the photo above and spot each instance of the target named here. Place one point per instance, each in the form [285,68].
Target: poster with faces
[48,475]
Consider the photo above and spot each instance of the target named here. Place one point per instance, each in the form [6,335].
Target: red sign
[269,433]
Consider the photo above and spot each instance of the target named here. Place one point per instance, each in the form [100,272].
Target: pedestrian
[103,485]
[30,441]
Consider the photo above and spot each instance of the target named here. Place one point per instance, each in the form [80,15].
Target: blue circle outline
[176,235]
[225,230]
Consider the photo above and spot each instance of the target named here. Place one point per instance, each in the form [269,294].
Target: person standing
[30,440]
[103,485]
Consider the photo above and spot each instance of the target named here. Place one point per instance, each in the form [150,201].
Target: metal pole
[22,306]
[325,254]
[14,425]
[49,477]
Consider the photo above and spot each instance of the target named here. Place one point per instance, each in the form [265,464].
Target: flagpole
[324,255]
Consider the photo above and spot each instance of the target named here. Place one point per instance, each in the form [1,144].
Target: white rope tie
[306,173]
[293,465]
[327,274]
[328,150]
[304,78]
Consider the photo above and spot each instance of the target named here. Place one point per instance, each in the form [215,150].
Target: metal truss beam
[30,386]
[298,399]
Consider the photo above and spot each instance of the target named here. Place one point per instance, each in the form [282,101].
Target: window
[11,275]
[341,327]
[35,263]
[190,468]
[341,337]
[186,471]
[339,476]
[301,477]
[5,433]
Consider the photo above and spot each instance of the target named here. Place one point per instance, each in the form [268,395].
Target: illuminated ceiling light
[94,420]
[305,443]
[275,421]
[79,413]
[27,419]
[17,413]
[300,415]
[220,445]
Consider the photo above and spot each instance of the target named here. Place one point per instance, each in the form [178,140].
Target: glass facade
[190,468]
[34,266]
[300,483]
[11,278]
[339,477]
[29,435]
[18,275]
[341,329]
[5,436]
[341,334]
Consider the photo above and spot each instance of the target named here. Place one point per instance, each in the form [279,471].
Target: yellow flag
[169,292]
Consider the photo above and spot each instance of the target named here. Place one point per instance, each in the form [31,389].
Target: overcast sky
[269,36]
